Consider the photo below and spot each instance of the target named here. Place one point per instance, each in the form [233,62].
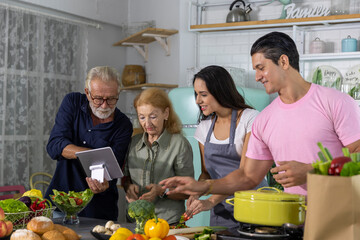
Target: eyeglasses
[100,101]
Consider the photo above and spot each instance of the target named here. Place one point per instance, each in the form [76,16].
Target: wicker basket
[20,219]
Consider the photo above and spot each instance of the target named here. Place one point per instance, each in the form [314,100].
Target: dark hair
[275,44]
[221,85]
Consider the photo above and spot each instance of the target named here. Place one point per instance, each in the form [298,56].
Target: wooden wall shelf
[141,40]
[148,85]
[327,20]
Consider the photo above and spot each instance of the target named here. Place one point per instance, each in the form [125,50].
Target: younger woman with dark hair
[223,134]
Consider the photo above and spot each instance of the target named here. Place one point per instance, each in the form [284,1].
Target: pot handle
[268,188]
[303,207]
[232,5]
[230,201]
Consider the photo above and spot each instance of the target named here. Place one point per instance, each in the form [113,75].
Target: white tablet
[100,164]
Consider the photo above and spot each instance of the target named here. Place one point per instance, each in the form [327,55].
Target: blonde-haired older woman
[160,152]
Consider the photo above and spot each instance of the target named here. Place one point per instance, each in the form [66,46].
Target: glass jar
[340,7]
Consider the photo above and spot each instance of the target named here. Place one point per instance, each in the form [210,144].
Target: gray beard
[100,112]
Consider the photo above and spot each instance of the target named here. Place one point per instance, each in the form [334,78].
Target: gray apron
[220,160]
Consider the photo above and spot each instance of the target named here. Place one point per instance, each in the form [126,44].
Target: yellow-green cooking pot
[268,206]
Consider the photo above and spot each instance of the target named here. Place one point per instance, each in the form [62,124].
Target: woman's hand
[132,193]
[191,199]
[97,187]
[154,191]
[197,206]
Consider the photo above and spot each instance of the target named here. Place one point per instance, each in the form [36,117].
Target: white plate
[352,76]
[181,238]
[351,83]
[327,76]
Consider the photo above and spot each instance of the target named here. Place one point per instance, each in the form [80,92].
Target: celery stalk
[346,152]
[327,154]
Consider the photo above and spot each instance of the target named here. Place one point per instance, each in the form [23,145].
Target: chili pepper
[337,165]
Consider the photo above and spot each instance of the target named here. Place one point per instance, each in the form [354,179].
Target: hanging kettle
[238,14]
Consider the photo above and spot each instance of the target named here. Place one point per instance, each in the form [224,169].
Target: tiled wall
[231,48]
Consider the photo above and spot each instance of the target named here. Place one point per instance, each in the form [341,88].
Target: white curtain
[41,60]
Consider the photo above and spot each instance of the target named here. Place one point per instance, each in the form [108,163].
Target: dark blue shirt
[74,125]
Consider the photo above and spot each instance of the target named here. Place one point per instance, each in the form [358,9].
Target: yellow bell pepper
[156,227]
[118,236]
[33,193]
[155,238]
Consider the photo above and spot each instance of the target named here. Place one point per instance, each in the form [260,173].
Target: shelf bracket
[143,49]
[162,39]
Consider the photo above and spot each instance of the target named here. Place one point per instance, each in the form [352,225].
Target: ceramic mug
[348,44]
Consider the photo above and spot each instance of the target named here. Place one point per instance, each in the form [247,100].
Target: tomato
[78,201]
[170,237]
[135,236]
[145,237]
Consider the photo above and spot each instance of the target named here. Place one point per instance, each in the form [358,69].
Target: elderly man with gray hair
[88,121]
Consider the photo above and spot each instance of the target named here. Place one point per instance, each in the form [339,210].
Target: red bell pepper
[337,165]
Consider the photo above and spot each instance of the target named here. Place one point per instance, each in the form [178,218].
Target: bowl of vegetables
[71,203]
[31,204]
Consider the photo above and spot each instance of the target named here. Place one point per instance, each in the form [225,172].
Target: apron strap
[232,127]
[211,129]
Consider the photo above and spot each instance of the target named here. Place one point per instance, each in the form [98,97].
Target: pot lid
[269,194]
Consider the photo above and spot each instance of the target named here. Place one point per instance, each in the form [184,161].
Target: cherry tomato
[170,237]
[135,236]
[78,201]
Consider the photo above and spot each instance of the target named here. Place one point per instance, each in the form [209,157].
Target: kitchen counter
[87,224]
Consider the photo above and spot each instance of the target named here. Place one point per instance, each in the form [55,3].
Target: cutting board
[189,232]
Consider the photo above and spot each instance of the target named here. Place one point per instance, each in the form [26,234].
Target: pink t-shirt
[285,132]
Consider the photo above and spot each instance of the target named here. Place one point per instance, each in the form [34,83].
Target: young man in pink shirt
[287,131]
